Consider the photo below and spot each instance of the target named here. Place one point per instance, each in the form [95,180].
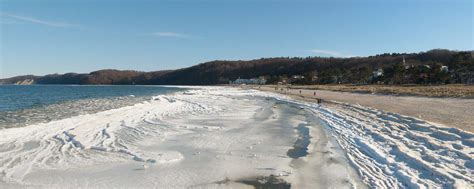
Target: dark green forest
[432,67]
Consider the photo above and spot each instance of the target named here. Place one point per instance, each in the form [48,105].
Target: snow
[210,137]
[395,151]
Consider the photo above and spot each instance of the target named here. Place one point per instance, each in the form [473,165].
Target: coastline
[449,112]
[207,137]
[224,137]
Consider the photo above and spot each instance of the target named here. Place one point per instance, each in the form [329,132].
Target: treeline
[431,67]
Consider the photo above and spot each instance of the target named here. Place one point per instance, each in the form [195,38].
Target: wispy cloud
[38,21]
[330,53]
[171,35]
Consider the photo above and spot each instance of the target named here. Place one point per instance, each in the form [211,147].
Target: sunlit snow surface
[210,137]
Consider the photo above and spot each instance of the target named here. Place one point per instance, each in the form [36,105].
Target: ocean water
[29,104]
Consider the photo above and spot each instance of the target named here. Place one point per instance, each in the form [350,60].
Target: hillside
[420,68]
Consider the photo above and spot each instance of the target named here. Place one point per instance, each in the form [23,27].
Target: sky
[59,36]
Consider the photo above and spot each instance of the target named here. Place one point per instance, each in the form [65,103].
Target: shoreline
[449,112]
[226,137]
[207,137]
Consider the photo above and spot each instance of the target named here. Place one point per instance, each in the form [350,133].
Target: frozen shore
[209,137]
[222,137]
[395,151]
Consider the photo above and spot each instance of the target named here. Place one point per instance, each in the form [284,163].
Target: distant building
[252,81]
[405,63]
[295,78]
[444,69]
[407,66]
[377,73]
[298,77]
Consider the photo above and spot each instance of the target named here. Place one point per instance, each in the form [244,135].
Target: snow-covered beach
[223,137]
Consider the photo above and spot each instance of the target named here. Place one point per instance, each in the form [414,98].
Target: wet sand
[450,112]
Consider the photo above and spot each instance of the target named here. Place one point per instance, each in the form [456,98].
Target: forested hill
[425,67]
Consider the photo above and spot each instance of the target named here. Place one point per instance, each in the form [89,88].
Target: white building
[252,81]
[298,77]
[295,78]
[377,73]
[444,69]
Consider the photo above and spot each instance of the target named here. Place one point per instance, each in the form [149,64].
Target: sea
[22,105]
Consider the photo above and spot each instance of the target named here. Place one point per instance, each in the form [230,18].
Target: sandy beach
[451,112]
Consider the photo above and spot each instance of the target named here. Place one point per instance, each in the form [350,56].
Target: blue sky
[53,36]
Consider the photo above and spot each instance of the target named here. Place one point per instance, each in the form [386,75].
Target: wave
[47,113]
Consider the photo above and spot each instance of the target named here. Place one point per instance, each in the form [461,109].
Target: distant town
[425,68]
[404,73]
